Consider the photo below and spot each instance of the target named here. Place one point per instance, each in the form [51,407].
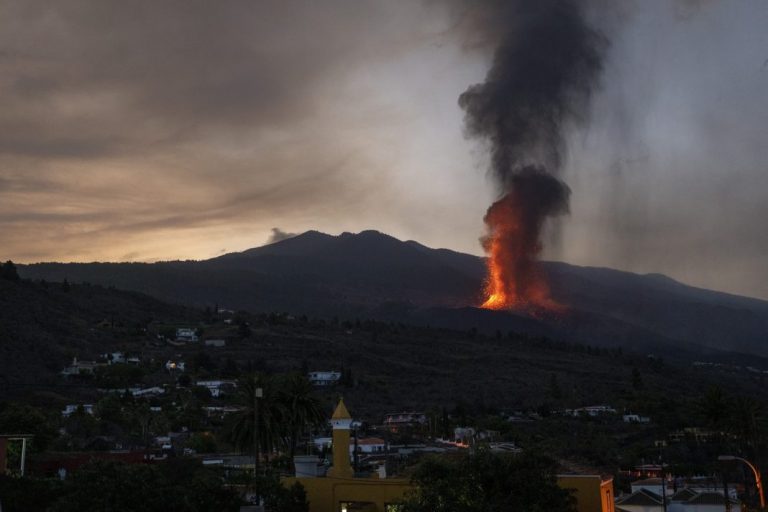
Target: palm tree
[285,410]
[301,407]
[269,412]
[747,421]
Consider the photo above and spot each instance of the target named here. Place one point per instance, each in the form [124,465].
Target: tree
[715,406]
[637,379]
[242,427]
[176,485]
[203,442]
[203,361]
[230,368]
[243,330]
[25,419]
[278,498]
[28,494]
[553,390]
[286,409]
[301,408]
[8,271]
[486,482]
[747,422]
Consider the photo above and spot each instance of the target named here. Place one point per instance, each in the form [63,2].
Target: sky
[146,130]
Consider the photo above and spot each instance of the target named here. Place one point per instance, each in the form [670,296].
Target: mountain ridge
[372,273]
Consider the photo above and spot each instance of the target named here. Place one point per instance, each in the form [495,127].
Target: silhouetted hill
[373,274]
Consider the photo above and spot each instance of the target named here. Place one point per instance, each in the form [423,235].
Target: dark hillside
[44,325]
[371,274]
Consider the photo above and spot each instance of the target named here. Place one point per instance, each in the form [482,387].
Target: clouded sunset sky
[146,130]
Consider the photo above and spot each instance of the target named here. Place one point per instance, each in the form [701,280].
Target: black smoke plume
[546,64]
[544,71]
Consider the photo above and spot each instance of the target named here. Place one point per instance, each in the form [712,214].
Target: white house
[688,500]
[397,419]
[324,378]
[72,408]
[217,387]
[635,418]
[368,445]
[653,485]
[592,410]
[153,391]
[81,367]
[114,357]
[186,334]
[463,434]
[322,442]
[641,500]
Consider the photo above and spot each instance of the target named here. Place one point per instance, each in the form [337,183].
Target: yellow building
[593,493]
[341,491]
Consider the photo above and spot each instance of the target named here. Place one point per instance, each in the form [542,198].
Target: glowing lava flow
[515,279]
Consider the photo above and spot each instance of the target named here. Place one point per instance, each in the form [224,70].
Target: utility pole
[257,393]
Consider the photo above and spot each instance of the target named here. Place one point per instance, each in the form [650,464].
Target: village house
[186,335]
[220,411]
[72,408]
[592,411]
[684,500]
[81,368]
[217,387]
[398,420]
[146,392]
[656,495]
[325,378]
[635,418]
[114,357]
[368,445]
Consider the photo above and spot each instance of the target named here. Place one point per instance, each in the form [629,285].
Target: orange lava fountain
[515,278]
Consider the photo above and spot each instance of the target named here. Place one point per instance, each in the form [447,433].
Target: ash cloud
[542,77]
[278,235]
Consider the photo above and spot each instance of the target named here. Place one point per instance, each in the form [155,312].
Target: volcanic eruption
[546,63]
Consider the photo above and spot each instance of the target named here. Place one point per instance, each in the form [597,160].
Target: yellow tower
[341,421]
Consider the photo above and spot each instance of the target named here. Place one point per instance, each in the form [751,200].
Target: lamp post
[257,393]
[758,481]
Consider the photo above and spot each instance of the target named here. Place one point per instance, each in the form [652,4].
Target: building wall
[327,494]
[592,492]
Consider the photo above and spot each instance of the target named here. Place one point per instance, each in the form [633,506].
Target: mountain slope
[44,325]
[373,274]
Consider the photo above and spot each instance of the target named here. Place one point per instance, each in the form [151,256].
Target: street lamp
[758,481]
[257,393]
